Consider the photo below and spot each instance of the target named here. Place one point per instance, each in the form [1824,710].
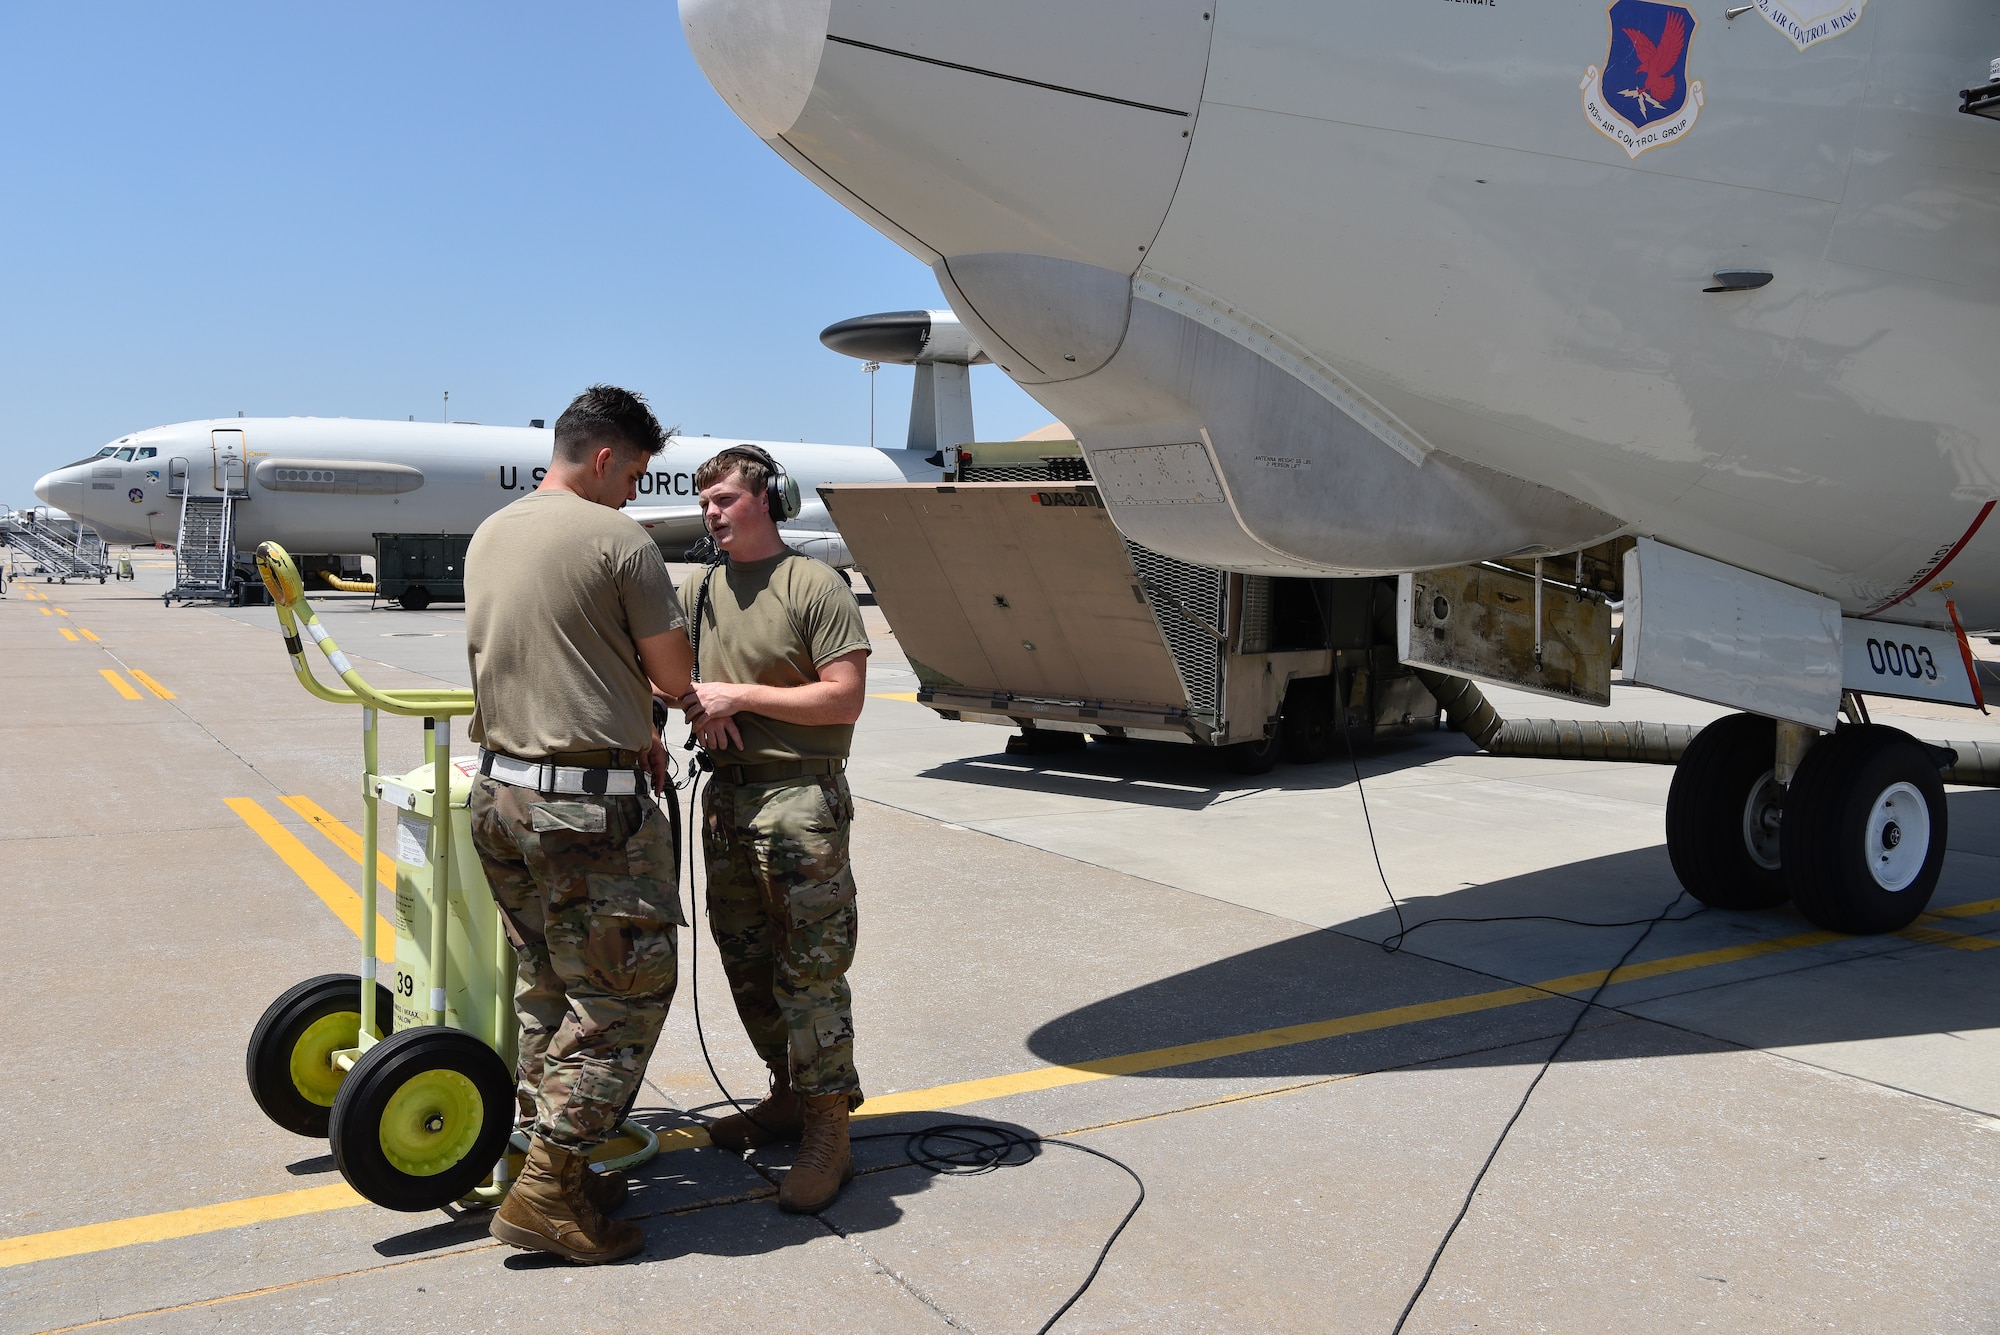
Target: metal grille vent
[1181,594]
[1058,469]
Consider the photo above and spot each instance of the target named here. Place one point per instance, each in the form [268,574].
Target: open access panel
[1019,603]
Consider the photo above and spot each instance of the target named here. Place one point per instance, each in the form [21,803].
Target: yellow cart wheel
[290,1059]
[422,1118]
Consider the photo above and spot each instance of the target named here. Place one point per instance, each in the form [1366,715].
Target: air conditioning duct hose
[348,585]
[1468,710]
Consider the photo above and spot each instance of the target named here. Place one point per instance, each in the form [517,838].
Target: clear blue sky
[348,210]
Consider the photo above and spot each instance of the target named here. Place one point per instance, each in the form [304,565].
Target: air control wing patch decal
[1810,21]
[1642,97]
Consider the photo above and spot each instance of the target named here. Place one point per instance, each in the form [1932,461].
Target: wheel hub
[431,1122]
[1763,812]
[1898,837]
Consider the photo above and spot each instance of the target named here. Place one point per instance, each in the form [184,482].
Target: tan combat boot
[825,1163]
[607,1191]
[781,1116]
[549,1210]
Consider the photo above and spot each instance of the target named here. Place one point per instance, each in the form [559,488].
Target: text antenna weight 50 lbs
[412,1083]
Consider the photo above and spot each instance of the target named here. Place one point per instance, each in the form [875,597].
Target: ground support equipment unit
[418,569]
[1019,603]
[412,1083]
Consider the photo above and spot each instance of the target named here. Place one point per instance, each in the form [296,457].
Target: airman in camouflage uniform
[572,631]
[586,889]
[781,659]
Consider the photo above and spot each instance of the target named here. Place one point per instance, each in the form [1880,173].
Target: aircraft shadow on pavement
[1875,987]
[707,1202]
[1195,777]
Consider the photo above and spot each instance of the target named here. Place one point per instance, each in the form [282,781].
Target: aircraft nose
[62,489]
[963,127]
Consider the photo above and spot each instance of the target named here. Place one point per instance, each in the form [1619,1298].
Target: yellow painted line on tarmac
[234,1214]
[86,634]
[68,634]
[151,685]
[45,611]
[321,879]
[942,1097]
[119,684]
[31,1247]
[908,697]
[343,837]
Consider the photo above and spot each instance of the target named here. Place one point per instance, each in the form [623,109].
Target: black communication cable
[1394,943]
[957,1149]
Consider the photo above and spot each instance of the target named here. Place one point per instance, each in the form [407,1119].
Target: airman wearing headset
[781,669]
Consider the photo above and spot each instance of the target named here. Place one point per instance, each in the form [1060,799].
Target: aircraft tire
[1258,757]
[1721,813]
[422,1118]
[289,1061]
[1865,830]
[415,598]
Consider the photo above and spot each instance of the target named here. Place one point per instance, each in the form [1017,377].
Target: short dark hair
[747,462]
[607,415]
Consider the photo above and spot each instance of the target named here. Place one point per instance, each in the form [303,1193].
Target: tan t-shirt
[557,591]
[776,622]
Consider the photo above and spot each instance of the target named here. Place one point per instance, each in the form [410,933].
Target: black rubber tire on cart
[1722,816]
[1260,756]
[1865,830]
[290,1059]
[422,1118]
[415,598]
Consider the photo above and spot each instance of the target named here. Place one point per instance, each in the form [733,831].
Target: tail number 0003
[1890,659]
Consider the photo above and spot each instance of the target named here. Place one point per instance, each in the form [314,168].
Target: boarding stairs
[56,549]
[205,550]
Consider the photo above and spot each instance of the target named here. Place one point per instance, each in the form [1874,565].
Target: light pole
[869,369]
[447,405]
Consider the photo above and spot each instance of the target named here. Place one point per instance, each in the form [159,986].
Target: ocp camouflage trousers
[587,891]
[781,908]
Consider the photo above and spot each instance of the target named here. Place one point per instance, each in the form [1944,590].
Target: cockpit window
[148,452]
[108,449]
[126,454]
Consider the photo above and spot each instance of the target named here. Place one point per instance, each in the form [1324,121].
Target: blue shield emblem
[1645,71]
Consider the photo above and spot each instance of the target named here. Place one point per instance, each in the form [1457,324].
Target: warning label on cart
[413,837]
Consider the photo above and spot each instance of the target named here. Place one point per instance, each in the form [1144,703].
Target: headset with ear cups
[781,493]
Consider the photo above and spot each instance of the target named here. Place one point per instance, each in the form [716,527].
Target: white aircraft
[328,485]
[1326,287]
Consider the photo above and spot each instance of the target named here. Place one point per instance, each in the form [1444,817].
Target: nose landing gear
[1856,842]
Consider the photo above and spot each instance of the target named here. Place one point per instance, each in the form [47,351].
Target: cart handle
[280,574]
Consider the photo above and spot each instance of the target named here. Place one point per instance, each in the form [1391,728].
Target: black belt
[778,770]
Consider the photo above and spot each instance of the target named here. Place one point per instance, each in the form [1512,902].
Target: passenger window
[148,452]
[126,454]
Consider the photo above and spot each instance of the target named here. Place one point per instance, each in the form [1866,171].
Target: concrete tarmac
[1757,1127]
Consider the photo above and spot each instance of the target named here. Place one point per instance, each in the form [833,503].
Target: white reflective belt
[546,778]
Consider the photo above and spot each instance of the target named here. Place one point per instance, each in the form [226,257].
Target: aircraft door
[226,447]
[177,476]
